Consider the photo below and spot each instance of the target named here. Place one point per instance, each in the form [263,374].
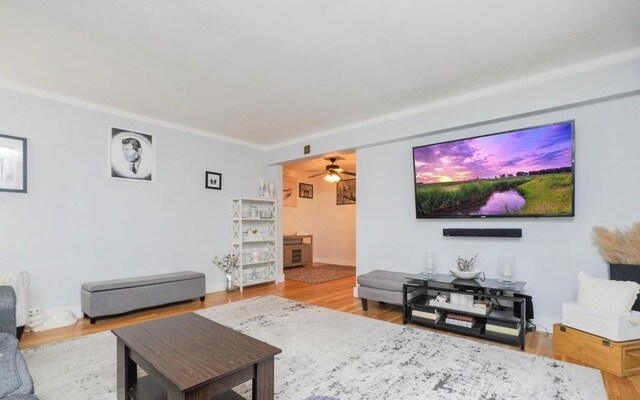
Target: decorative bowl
[465,274]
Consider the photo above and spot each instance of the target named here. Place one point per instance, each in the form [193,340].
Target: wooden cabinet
[298,250]
[619,358]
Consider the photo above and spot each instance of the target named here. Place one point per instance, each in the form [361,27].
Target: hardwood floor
[337,295]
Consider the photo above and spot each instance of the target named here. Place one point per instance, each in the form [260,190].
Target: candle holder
[506,270]
[261,188]
[429,263]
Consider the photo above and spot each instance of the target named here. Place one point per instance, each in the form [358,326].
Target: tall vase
[229,286]
[626,272]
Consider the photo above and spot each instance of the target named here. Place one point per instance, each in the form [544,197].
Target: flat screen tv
[522,173]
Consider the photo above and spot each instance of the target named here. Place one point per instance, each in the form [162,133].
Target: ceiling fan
[333,171]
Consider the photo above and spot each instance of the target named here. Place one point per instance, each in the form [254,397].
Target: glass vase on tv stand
[506,270]
[429,263]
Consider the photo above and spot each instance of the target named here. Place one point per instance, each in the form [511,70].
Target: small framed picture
[346,192]
[13,164]
[132,155]
[212,180]
[305,191]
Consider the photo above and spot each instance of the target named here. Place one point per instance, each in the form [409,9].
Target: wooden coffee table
[192,358]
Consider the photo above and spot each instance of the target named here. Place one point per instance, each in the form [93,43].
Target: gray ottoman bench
[105,298]
[382,286]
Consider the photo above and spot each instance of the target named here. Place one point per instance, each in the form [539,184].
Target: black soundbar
[515,232]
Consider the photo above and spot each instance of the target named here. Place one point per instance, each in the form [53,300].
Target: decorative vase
[626,272]
[229,286]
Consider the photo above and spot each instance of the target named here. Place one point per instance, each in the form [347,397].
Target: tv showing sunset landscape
[522,173]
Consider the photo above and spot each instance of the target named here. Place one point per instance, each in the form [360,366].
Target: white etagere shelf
[253,240]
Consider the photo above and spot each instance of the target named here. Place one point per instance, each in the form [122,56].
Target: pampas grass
[619,246]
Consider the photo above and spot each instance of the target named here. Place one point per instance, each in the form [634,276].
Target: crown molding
[32,91]
[532,80]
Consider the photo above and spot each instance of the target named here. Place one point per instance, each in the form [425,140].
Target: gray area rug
[331,353]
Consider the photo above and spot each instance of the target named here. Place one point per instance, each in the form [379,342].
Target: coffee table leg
[127,374]
[263,381]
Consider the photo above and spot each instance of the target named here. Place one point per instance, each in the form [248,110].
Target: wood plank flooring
[337,295]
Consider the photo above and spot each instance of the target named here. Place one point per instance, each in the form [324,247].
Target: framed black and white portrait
[212,180]
[13,164]
[132,155]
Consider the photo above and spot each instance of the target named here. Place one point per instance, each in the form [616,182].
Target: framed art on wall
[305,191]
[132,155]
[346,192]
[13,164]
[212,180]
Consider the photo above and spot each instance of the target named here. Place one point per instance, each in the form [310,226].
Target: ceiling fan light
[332,177]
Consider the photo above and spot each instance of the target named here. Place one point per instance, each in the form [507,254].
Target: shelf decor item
[621,249]
[428,263]
[466,264]
[255,211]
[265,189]
[252,234]
[466,274]
[465,268]
[265,214]
[506,270]
[228,265]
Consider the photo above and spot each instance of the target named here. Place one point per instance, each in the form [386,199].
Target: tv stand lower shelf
[498,324]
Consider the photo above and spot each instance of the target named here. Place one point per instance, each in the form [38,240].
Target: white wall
[552,250]
[333,227]
[76,225]
[602,96]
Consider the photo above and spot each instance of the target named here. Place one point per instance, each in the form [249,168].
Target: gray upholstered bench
[100,299]
[382,286]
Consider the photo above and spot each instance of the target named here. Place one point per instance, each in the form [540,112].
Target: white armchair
[20,282]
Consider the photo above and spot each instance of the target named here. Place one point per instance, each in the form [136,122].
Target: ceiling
[318,164]
[270,71]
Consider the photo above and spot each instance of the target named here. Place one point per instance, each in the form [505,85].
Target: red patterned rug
[319,273]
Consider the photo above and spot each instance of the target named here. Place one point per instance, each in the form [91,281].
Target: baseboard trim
[335,261]
[215,287]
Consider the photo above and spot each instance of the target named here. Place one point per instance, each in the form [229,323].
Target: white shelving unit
[257,252]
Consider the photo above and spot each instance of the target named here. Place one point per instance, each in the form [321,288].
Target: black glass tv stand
[497,322]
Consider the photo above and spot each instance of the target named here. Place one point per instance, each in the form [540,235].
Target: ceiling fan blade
[316,170]
[321,173]
[349,173]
